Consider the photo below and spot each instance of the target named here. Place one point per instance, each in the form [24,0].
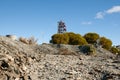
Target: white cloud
[114,9]
[86,23]
[100,15]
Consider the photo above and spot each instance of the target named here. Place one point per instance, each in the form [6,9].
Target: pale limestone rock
[43,62]
[13,37]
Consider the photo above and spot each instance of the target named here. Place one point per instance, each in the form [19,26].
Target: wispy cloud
[100,15]
[86,23]
[114,9]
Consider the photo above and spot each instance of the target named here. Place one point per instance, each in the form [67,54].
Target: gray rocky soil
[20,61]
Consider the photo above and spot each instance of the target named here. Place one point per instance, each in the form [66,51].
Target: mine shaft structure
[61,27]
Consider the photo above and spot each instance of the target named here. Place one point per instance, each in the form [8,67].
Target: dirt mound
[19,61]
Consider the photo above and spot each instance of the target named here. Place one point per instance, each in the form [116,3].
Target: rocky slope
[19,61]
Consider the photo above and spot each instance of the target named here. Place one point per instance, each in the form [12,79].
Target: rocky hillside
[20,61]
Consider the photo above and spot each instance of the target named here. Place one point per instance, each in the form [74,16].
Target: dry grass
[32,40]
[24,40]
[29,41]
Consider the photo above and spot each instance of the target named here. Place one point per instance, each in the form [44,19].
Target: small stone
[4,65]
[63,79]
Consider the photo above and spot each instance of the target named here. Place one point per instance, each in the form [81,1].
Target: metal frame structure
[61,27]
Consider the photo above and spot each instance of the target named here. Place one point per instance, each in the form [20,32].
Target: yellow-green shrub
[76,39]
[68,38]
[106,43]
[91,37]
[60,39]
[114,50]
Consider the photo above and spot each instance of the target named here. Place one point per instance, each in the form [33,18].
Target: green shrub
[106,43]
[114,50]
[118,52]
[91,38]
[88,49]
[76,39]
[68,38]
[60,39]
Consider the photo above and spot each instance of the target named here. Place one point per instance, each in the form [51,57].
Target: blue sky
[39,18]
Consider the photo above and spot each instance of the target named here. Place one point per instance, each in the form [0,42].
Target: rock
[13,37]
[17,79]
[19,61]
[4,65]
[63,79]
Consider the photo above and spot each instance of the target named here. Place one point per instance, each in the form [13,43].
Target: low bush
[88,49]
[114,50]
